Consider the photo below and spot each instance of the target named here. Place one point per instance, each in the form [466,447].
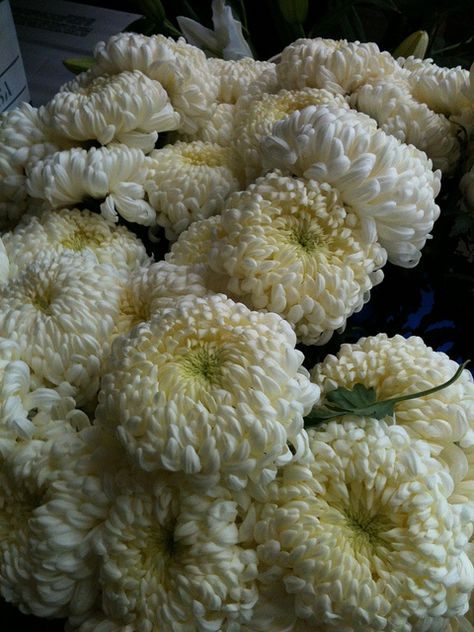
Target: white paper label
[13,86]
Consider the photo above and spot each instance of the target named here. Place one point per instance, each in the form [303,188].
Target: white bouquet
[167,462]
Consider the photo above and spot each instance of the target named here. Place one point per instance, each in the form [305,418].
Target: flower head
[128,108]
[401,366]
[389,185]
[442,89]
[151,288]
[189,182]
[255,116]
[289,246]
[336,65]
[61,311]
[170,557]
[399,114]
[370,538]
[77,232]
[114,175]
[180,68]
[208,387]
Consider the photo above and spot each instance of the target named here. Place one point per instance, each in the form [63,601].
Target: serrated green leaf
[359,396]
[360,401]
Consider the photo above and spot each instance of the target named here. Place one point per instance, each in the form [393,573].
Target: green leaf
[357,397]
[78,64]
[360,401]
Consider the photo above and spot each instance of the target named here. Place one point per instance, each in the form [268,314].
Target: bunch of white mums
[155,472]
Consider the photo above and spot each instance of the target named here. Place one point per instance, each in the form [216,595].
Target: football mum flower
[47,565]
[189,181]
[113,175]
[289,246]
[181,69]
[208,387]
[78,232]
[376,544]
[128,108]
[255,115]
[399,114]
[61,311]
[170,557]
[389,185]
[336,65]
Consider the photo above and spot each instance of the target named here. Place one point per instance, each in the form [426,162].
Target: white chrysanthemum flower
[189,181]
[192,249]
[128,108]
[154,287]
[336,65]
[51,501]
[61,311]
[399,114]
[24,139]
[389,185]
[256,115]
[24,131]
[236,75]
[180,68]
[442,89]
[376,543]
[208,387]
[79,232]
[401,366]
[218,129]
[170,558]
[114,174]
[29,411]
[289,246]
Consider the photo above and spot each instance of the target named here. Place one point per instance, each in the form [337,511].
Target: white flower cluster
[155,469]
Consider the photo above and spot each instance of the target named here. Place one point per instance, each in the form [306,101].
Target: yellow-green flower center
[80,239]
[203,364]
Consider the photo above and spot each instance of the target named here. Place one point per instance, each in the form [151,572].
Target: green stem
[429,391]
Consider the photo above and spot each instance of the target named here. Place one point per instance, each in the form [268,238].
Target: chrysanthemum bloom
[377,544]
[24,139]
[219,128]
[170,557]
[189,181]
[289,246]
[208,387]
[401,366]
[114,175]
[128,108]
[154,287]
[442,89]
[181,69]
[51,500]
[79,232]
[236,75]
[398,113]
[255,116]
[336,65]
[192,249]
[28,410]
[61,311]
[389,185]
